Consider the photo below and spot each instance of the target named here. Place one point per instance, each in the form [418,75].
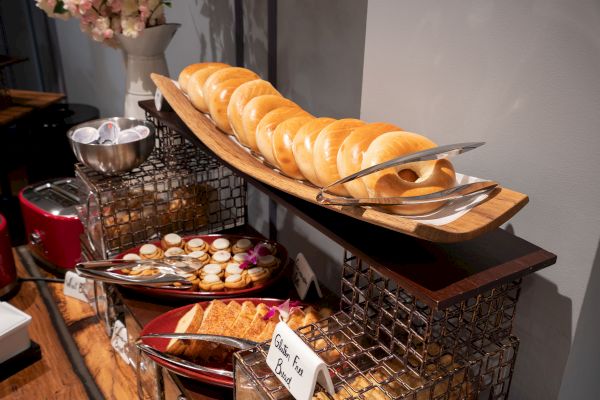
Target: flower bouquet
[103,19]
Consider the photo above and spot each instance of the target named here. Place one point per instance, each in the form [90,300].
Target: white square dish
[14,337]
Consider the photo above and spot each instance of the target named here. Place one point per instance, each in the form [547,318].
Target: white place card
[303,277]
[296,365]
[75,286]
[119,340]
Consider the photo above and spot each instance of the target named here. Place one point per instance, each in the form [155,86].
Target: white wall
[522,76]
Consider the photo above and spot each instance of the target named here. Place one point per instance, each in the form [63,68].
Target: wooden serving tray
[501,205]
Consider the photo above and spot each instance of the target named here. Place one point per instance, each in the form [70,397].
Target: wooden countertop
[52,376]
[24,102]
[55,375]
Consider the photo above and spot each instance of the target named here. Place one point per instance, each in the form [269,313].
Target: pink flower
[284,309]
[252,258]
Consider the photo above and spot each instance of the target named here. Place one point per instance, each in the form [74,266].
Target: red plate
[167,322]
[282,254]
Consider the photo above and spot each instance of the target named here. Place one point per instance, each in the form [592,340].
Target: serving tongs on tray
[236,343]
[464,191]
[169,272]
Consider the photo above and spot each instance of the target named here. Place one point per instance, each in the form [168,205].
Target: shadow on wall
[323,254]
[543,326]
[220,27]
[581,380]
[255,36]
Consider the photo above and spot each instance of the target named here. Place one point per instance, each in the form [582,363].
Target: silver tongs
[105,271]
[225,340]
[458,192]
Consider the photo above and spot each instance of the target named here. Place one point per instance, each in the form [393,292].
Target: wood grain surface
[24,102]
[502,205]
[52,377]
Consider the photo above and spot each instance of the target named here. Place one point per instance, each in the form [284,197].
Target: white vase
[144,55]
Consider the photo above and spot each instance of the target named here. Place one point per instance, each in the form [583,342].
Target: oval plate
[166,323]
[282,254]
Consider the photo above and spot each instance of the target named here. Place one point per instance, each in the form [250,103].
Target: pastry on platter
[195,244]
[283,143]
[236,281]
[174,252]
[201,256]
[196,84]
[221,257]
[240,97]
[211,283]
[303,147]
[247,320]
[233,268]
[212,269]
[326,149]
[151,252]
[268,262]
[187,72]
[220,244]
[171,240]
[241,246]
[258,275]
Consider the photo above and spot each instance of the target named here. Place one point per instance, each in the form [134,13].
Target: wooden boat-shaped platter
[500,205]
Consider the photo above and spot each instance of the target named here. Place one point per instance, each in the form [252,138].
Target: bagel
[196,83]
[255,110]
[268,124]
[303,146]
[326,149]
[240,97]
[222,75]
[413,179]
[283,139]
[219,100]
[350,155]
[187,72]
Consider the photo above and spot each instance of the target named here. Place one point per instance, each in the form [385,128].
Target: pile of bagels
[319,150]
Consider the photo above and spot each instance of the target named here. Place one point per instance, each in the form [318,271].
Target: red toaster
[51,223]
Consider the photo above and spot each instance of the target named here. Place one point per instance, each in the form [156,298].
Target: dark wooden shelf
[439,274]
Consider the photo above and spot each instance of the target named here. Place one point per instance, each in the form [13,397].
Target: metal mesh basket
[190,192]
[363,368]
[418,333]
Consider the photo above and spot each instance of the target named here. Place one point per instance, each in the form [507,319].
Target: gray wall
[522,76]
[322,77]
[95,73]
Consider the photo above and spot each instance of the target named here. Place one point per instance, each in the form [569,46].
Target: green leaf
[59,8]
[167,3]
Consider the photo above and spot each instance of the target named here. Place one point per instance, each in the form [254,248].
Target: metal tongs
[436,153]
[225,340]
[105,271]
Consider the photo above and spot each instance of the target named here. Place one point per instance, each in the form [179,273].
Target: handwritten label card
[75,286]
[296,365]
[303,276]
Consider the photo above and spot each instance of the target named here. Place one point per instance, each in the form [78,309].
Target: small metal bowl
[113,159]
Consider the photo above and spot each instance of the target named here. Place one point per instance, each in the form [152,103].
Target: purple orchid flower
[285,309]
[251,259]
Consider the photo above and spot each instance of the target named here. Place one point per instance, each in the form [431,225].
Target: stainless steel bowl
[115,158]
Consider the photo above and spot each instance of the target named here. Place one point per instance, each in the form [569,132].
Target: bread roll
[283,140]
[222,75]
[326,149]
[255,110]
[350,155]
[268,124]
[219,100]
[187,72]
[240,97]
[196,84]
[303,147]
[413,179]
